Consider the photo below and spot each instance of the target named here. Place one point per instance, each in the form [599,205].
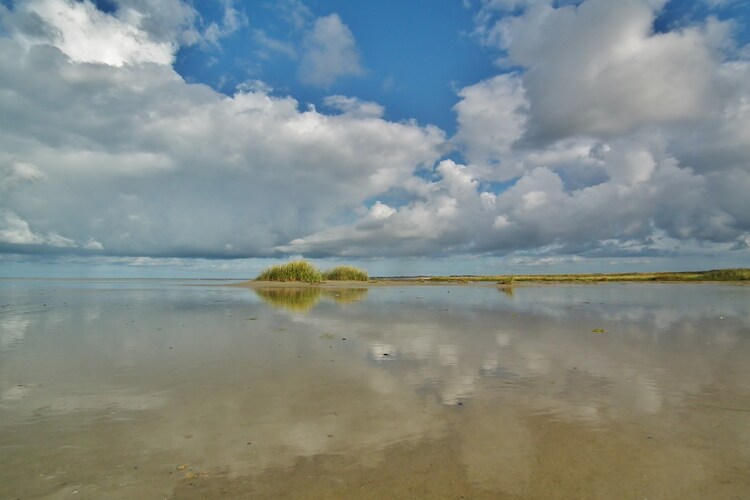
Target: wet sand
[158,390]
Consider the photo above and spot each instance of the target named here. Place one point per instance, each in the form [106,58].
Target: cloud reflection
[407,365]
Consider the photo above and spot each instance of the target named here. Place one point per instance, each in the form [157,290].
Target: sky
[170,138]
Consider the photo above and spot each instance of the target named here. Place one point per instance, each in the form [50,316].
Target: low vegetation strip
[727,275]
[304,272]
[689,276]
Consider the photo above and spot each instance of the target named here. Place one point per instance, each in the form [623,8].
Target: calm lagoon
[187,389]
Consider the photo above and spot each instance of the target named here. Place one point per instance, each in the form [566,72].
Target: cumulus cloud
[329,53]
[600,69]
[537,213]
[15,230]
[172,21]
[137,31]
[603,133]
[323,47]
[233,20]
[610,139]
[130,159]
[18,174]
[354,106]
[615,141]
[86,34]
[492,117]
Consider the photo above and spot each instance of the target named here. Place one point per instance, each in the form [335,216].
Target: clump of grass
[345,273]
[298,270]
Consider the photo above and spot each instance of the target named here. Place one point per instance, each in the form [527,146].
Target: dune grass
[298,270]
[345,273]
[305,272]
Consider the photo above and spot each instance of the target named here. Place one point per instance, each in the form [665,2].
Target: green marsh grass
[298,270]
[345,273]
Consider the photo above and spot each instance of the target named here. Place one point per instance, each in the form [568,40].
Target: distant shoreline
[736,276]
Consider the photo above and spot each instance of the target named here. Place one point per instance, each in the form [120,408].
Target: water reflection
[220,380]
[345,295]
[305,299]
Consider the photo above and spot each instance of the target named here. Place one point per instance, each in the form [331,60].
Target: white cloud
[354,107]
[233,20]
[173,21]
[138,31]
[613,140]
[294,12]
[609,130]
[272,46]
[647,194]
[16,231]
[133,160]
[599,69]
[86,34]
[381,211]
[92,244]
[19,173]
[492,116]
[59,241]
[329,53]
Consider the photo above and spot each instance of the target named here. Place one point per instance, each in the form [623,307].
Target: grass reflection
[345,295]
[305,299]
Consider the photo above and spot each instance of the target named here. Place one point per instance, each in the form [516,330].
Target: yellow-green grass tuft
[345,273]
[298,270]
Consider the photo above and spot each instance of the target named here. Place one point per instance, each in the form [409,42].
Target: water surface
[178,389]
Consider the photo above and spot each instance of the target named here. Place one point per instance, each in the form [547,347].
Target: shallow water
[176,389]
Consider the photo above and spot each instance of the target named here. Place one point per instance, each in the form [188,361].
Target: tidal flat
[185,389]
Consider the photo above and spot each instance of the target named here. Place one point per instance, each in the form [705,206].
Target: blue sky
[176,138]
[413,55]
